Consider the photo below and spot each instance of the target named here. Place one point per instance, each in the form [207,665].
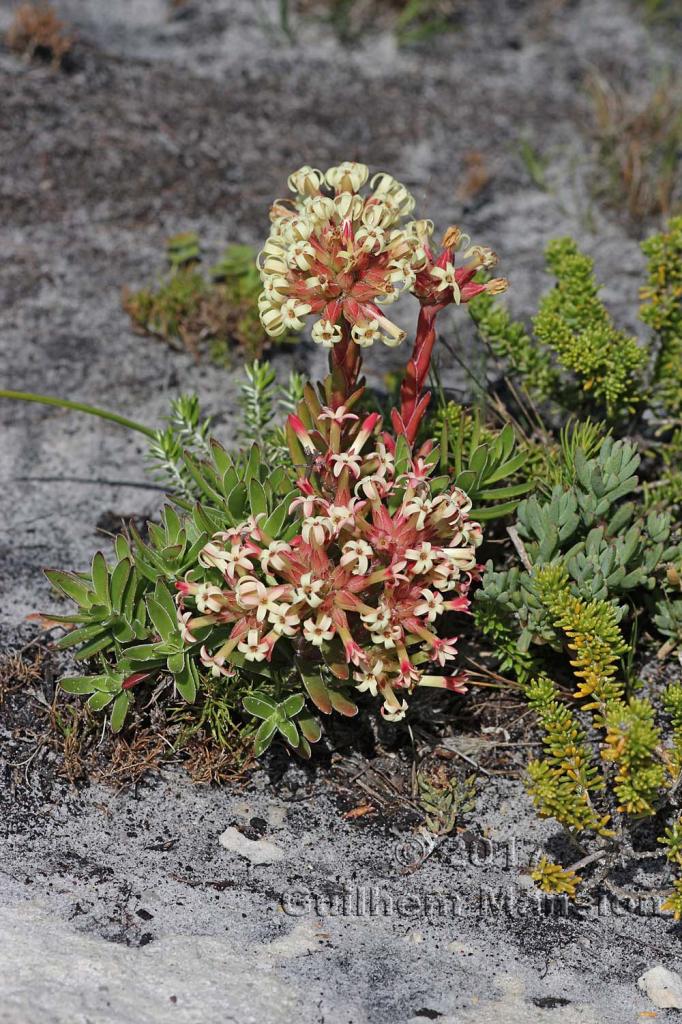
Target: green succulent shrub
[215,311]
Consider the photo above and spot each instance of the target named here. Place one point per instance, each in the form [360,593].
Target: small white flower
[253,648]
[446,276]
[392,713]
[387,636]
[213,556]
[370,681]
[378,619]
[215,663]
[292,312]
[423,557]
[339,516]
[318,631]
[366,333]
[346,460]
[284,621]
[315,530]
[184,627]
[309,590]
[432,606]
[326,333]
[271,556]
[357,553]
[208,598]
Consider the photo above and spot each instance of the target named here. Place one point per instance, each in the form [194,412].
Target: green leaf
[119,578]
[343,704]
[264,736]
[165,626]
[94,647]
[100,580]
[79,636]
[318,692]
[72,586]
[512,491]
[120,710]
[309,726]
[100,700]
[506,469]
[292,705]
[257,498]
[259,704]
[80,684]
[187,681]
[289,731]
[142,652]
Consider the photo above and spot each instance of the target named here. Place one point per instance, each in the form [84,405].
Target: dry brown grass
[37,33]
[639,140]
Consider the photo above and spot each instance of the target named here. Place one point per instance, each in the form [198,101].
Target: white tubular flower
[417,505]
[423,557]
[321,209]
[318,631]
[213,556]
[238,557]
[446,276]
[326,333]
[208,598]
[366,333]
[370,681]
[316,529]
[385,460]
[393,713]
[184,627]
[346,460]
[306,181]
[300,255]
[347,176]
[378,619]
[283,620]
[271,556]
[460,559]
[340,516]
[309,590]
[216,664]
[253,595]
[432,606]
[339,415]
[271,319]
[388,636]
[371,239]
[253,648]
[357,553]
[348,206]
[388,189]
[292,312]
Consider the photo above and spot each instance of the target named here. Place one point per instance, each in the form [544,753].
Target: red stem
[345,362]
[413,403]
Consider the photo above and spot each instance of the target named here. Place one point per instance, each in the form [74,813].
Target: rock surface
[125,907]
[663,987]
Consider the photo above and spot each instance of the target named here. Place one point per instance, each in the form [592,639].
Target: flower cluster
[340,256]
[382,552]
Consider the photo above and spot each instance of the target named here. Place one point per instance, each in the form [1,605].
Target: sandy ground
[125,907]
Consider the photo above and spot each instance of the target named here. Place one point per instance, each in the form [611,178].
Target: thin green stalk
[91,410]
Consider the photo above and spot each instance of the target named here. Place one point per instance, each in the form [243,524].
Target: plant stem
[91,410]
[413,404]
[345,362]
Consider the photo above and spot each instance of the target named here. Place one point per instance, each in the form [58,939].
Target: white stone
[663,987]
[258,851]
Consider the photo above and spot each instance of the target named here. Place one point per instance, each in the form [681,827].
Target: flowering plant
[338,572]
